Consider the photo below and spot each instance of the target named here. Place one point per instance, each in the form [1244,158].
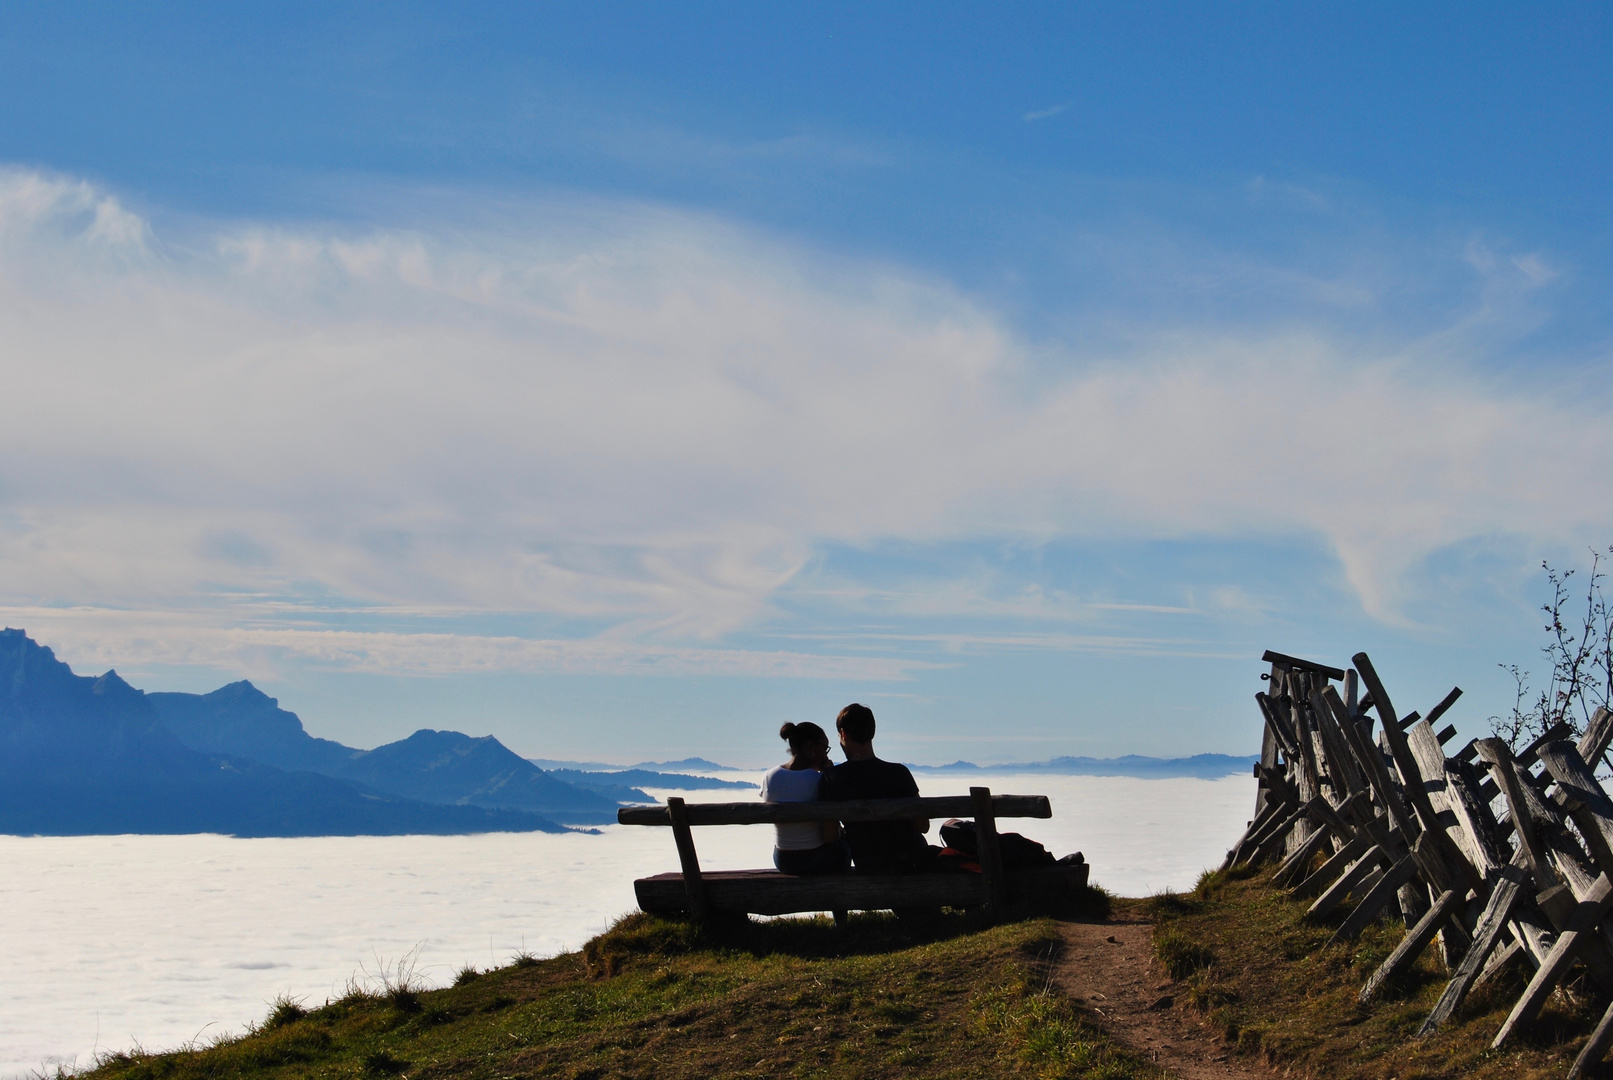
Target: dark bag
[1017,850]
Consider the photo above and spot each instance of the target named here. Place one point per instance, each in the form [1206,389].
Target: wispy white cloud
[1042,114]
[651,420]
[96,639]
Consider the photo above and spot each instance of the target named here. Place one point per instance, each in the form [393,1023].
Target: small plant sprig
[1580,650]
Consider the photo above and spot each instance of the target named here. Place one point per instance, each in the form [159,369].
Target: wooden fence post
[991,852]
[693,883]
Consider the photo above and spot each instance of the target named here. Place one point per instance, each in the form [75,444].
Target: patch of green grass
[284,1010]
[1267,981]
[1179,953]
[666,999]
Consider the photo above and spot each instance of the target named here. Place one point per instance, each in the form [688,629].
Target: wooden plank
[1446,734]
[1536,936]
[1413,897]
[1340,756]
[1269,846]
[1279,803]
[1598,734]
[1376,899]
[1308,776]
[1271,657]
[1497,913]
[1556,733]
[991,855]
[1294,866]
[1377,774]
[1584,799]
[1462,787]
[1559,904]
[1269,751]
[1411,779]
[757,813]
[1346,883]
[694,884]
[1444,706]
[1595,1047]
[1412,945]
[1469,835]
[1497,755]
[1330,870]
[768,892]
[1344,819]
[1580,930]
[1455,937]
[1279,784]
[1276,726]
[1530,754]
[1498,961]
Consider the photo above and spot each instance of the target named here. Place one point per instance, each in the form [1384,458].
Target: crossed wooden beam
[1404,829]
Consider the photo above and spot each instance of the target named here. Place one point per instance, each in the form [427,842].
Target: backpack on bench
[1018,851]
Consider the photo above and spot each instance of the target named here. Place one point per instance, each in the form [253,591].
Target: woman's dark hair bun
[803,736]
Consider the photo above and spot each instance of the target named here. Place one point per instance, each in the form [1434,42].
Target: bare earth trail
[1108,969]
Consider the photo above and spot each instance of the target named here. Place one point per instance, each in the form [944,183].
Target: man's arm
[921,825]
[831,829]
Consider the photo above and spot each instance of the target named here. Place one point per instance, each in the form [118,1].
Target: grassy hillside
[800,998]
[652,998]
[1269,985]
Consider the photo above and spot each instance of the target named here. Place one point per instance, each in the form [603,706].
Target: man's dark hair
[857,722]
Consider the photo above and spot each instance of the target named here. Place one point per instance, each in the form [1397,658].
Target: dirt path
[1109,969]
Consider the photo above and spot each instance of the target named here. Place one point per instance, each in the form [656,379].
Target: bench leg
[842,916]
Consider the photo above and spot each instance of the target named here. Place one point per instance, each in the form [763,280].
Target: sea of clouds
[112,942]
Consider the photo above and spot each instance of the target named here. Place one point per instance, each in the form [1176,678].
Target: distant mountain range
[686,765]
[83,754]
[608,781]
[1201,766]
[429,766]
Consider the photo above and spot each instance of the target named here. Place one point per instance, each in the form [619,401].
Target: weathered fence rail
[1501,858]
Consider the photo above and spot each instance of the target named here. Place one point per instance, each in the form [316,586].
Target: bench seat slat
[768,892]
[759,813]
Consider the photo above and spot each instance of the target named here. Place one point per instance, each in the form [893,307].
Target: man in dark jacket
[875,845]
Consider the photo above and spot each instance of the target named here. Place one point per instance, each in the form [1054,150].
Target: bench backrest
[979,804]
[759,813]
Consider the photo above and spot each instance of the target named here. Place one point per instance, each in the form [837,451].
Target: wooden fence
[1500,858]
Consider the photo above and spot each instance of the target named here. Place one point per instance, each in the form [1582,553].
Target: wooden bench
[767,892]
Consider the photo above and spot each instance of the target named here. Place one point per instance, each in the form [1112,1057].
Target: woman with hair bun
[804,847]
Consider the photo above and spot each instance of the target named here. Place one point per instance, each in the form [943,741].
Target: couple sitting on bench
[827,847]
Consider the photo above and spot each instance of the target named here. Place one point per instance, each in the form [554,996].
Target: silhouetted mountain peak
[91,754]
[26,665]
[240,719]
[113,687]
[243,693]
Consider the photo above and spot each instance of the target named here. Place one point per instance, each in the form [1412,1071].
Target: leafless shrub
[1580,651]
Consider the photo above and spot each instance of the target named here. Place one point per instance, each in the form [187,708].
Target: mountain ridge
[83,754]
[442,767]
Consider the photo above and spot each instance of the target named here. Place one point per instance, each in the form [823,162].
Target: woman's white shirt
[794,785]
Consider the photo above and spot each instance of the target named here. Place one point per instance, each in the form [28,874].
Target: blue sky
[623,380]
